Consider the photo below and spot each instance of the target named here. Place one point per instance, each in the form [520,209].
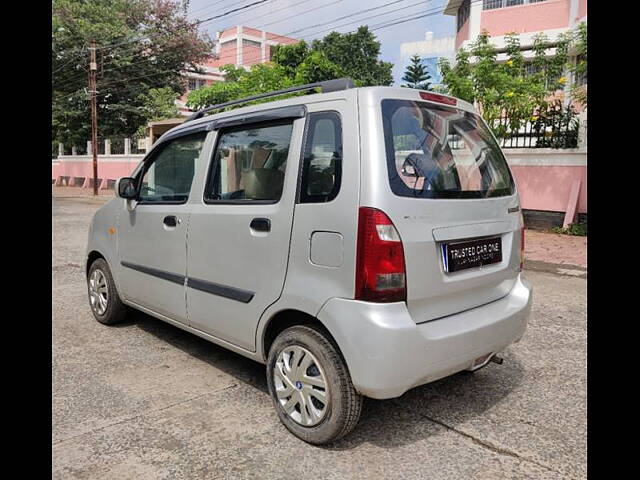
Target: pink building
[241,46]
[552,183]
[525,17]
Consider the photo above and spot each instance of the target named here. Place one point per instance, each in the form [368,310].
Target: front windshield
[436,151]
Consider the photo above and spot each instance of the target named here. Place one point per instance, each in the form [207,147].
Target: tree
[579,69]
[416,76]
[261,78]
[504,90]
[158,104]
[316,67]
[142,45]
[356,54]
[290,56]
[353,55]
[337,55]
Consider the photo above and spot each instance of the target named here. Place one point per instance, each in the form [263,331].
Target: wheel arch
[92,256]
[283,319]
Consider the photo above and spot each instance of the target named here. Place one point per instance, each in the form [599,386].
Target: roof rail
[327,86]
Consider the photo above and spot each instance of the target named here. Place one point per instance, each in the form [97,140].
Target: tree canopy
[515,85]
[356,54]
[507,88]
[142,45]
[416,75]
[353,55]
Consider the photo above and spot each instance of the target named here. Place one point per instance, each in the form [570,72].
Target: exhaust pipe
[483,361]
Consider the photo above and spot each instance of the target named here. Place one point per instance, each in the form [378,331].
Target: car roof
[377,92]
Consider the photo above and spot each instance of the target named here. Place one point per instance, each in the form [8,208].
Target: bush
[576,229]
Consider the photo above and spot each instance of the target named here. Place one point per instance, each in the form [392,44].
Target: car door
[238,236]
[152,229]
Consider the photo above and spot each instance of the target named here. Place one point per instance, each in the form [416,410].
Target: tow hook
[497,359]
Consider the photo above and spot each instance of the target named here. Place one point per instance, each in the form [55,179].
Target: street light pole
[93,67]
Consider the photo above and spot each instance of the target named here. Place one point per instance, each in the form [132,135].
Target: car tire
[105,303]
[302,359]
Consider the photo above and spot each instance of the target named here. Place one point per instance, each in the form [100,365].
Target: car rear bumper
[388,353]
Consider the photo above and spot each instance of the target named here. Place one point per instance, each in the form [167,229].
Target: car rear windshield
[438,151]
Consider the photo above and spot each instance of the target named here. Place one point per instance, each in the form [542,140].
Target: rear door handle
[260,224]
[171,221]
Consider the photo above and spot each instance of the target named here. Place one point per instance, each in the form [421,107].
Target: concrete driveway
[146,400]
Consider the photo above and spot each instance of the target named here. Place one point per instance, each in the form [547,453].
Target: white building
[430,50]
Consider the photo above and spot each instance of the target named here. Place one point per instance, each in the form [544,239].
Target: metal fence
[555,127]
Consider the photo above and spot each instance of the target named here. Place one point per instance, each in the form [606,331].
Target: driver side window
[168,179]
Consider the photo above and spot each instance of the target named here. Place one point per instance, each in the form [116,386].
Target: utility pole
[93,67]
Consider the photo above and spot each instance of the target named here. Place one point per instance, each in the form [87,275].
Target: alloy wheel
[98,292]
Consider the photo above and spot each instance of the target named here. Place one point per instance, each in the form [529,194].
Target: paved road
[146,400]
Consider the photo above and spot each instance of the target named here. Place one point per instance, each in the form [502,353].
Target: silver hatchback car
[358,241]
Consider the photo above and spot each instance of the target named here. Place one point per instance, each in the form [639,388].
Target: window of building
[531,69]
[169,176]
[249,163]
[493,4]
[250,43]
[196,83]
[322,162]
[463,13]
[229,43]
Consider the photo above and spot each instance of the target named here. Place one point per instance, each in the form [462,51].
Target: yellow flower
[510,94]
[509,62]
[562,80]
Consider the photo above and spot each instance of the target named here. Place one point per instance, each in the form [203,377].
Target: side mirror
[126,188]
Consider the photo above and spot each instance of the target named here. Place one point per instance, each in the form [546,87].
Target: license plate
[472,253]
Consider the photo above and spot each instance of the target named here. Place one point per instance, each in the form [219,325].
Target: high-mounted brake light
[380,268]
[434,97]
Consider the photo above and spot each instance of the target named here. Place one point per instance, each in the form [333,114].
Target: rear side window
[249,164]
[168,178]
[322,158]
[437,151]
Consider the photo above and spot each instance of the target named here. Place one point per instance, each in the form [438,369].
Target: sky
[298,19]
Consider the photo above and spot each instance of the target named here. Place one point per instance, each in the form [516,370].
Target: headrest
[320,181]
[263,184]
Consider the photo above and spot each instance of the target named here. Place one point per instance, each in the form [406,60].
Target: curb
[556,268]
[83,199]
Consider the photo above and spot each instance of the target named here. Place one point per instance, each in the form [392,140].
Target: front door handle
[260,225]
[171,221]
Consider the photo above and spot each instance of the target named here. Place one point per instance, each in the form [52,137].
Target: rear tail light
[522,248]
[380,268]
